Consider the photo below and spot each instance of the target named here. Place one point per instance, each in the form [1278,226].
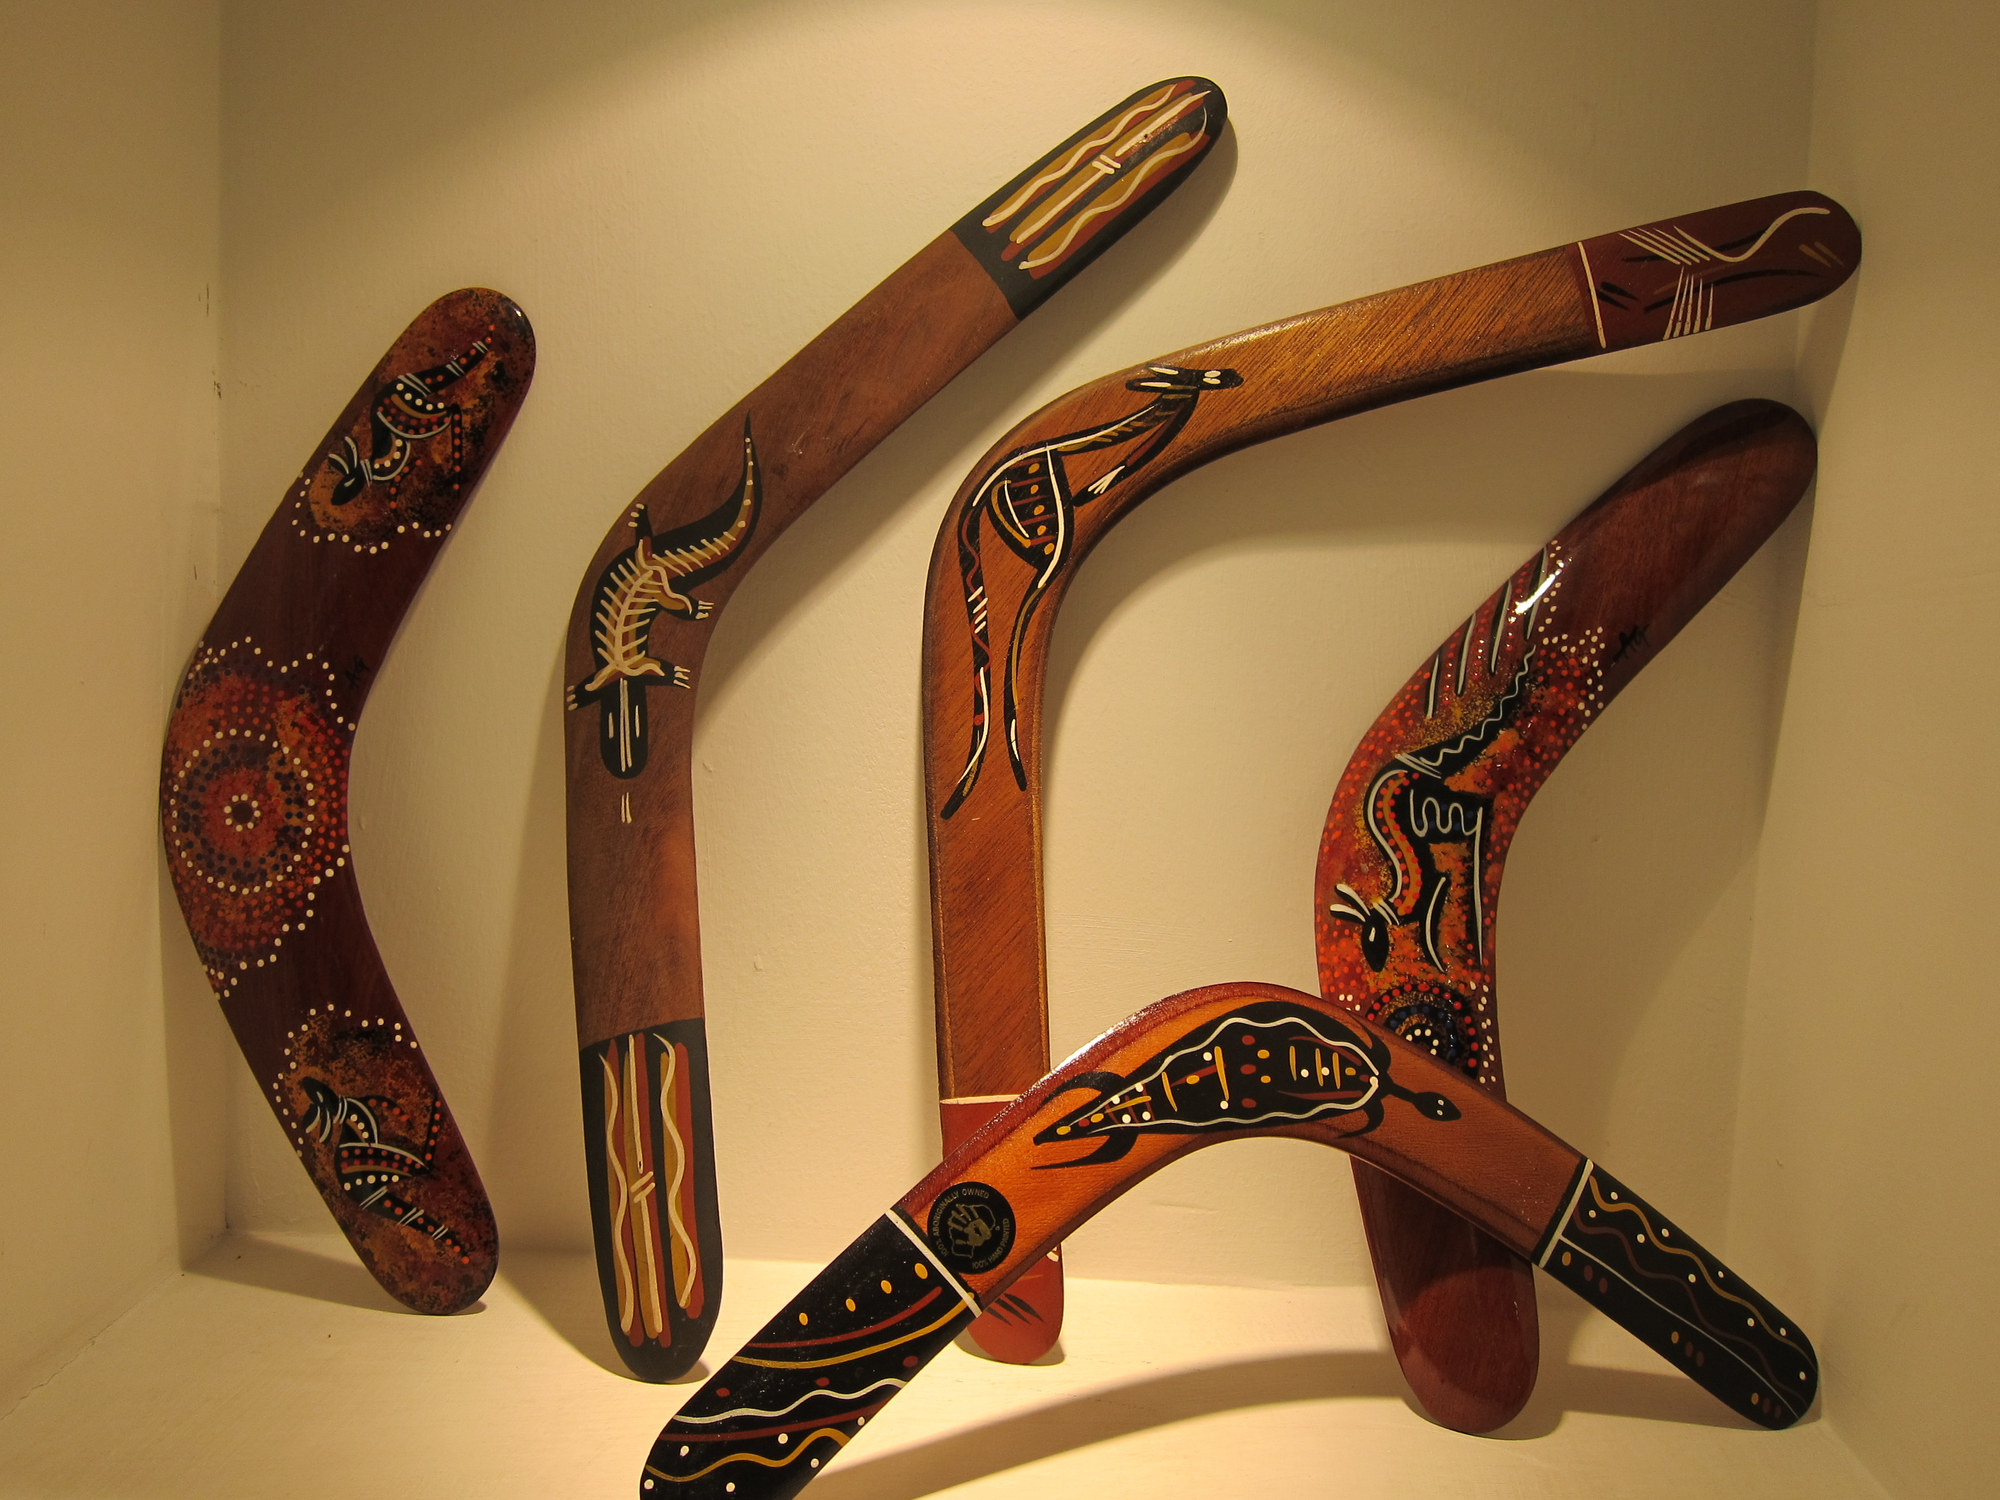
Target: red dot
[822,1381]
[722,1390]
[1249,1103]
[909,1361]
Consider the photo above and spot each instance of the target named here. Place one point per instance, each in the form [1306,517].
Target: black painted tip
[1035,234]
[652,1195]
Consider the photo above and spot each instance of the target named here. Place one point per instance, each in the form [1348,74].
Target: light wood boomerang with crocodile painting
[642,622]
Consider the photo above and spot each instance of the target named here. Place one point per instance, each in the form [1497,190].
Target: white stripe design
[685,1420]
[1582,1181]
[910,1233]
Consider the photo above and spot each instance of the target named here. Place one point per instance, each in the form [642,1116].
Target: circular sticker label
[971,1227]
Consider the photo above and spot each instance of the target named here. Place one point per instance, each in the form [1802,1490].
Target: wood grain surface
[1210,1065]
[1043,496]
[253,795]
[1407,889]
[648,604]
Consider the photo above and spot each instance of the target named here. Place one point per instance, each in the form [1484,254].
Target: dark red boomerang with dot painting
[253,795]
[1210,1065]
[1410,863]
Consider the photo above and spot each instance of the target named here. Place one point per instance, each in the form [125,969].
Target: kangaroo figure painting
[1032,503]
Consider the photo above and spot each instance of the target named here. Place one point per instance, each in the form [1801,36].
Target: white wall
[680,197]
[1742,867]
[1864,1166]
[111,1063]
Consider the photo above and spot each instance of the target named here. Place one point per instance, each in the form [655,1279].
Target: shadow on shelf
[561,1288]
[1103,1415]
[301,1271]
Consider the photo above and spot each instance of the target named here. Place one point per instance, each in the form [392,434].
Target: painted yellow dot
[802,1319]
[923,1272]
[887,1288]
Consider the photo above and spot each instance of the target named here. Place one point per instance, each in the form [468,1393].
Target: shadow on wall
[1625,921]
[1471,57]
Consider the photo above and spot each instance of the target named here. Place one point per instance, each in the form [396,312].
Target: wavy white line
[758,1411]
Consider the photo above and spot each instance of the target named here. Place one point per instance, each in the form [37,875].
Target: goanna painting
[1411,859]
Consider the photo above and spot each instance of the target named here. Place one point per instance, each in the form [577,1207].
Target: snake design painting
[1265,1064]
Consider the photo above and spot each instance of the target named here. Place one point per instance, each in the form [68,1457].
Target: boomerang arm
[1542,655]
[771,1417]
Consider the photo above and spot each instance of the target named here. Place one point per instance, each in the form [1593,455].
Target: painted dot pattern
[254,802]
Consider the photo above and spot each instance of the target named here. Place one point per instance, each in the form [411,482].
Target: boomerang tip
[1035,234]
[1721,266]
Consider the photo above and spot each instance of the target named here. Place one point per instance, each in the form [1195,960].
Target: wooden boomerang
[1410,864]
[641,626]
[1053,486]
[253,795]
[1212,1064]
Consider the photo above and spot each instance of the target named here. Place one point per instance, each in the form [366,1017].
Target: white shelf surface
[275,1365]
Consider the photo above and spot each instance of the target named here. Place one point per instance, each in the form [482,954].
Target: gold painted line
[1590,282]
[841,1359]
[839,1438]
[620,1196]
[1169,114]
[1059,170]
[1757,1376]
[1111,203]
